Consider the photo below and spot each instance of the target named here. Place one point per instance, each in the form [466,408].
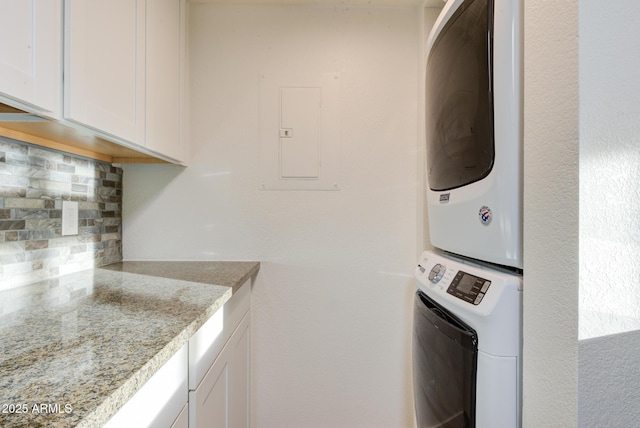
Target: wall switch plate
[69,218]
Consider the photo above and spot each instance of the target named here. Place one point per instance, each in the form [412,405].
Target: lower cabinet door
[208,403]
[182,421]
[221,400]
[239,376]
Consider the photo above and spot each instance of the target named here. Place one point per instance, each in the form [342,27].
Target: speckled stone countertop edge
[223,272]
[246,277]
[112,404]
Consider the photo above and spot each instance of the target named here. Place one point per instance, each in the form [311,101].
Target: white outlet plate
[69,218]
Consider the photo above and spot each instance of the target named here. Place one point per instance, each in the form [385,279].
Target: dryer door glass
[445,359]
[459,100]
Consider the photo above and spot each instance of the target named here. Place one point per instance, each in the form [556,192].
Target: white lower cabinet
[205,384]
[161,399]
[222,398]
[219,366]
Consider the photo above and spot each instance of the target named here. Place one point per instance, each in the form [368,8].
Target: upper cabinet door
[105,66]
[165,74]
[30,54]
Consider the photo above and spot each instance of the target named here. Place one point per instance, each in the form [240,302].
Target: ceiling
[373,3]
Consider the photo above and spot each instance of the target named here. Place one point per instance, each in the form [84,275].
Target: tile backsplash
[33,183]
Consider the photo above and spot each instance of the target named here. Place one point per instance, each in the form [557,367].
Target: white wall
[608,381]
[550,316]
[332,303]
[609,215]
[609,168]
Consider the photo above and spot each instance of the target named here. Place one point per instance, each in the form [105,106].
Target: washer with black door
[467,346]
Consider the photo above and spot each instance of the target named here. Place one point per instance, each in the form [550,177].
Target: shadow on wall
[609,375]
[157,179]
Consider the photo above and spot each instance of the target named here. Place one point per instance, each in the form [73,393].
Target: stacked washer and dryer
[467,339]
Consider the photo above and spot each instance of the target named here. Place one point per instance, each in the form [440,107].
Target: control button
[478,299]
[422,270]
[436,273]
[485,286]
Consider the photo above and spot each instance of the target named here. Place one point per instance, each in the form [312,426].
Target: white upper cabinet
[124,68]
[165,77]
[104,66]
[31,55]
[125,72]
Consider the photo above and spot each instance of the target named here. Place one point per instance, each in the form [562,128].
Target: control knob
[437,273]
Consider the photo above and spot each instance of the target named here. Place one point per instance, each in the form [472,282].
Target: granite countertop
[74,349]
[230,274]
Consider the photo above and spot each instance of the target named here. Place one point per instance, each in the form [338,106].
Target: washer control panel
[454,280]
[468,287]
[486,298]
